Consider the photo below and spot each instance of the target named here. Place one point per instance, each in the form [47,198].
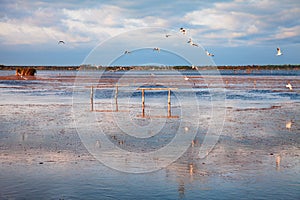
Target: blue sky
[238,32]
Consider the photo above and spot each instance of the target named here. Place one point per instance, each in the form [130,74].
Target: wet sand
[257,154]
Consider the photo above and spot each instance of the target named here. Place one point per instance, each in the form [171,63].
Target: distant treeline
[11,67]
[260,67]
[124,68]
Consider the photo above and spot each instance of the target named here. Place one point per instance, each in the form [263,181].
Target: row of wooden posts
[143,100]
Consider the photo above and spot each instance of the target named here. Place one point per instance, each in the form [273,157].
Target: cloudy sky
[238,32]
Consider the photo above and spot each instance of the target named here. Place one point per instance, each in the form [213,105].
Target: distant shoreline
[125,68]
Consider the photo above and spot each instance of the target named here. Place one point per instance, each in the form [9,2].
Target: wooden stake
[169,103]
[92,98]
[143,103]
[116,98]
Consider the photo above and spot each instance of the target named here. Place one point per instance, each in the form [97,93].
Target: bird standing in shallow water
[289,86]
[288,125]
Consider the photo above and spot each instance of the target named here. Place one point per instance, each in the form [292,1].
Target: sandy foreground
[260,137]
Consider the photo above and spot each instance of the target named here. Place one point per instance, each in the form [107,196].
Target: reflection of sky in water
[92,181]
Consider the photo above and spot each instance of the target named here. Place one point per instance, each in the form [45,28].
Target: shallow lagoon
[256,156]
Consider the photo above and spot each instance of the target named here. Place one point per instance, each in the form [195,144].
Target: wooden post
[169,103]
[143,102]
[116,98]
[92,98]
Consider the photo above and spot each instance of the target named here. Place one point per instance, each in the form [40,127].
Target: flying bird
[192,43]
[279,53]
[61,42]
[182,30]
[209,54]
[168,35]
[156,49]
[289,86]
[127,52]
[194,67]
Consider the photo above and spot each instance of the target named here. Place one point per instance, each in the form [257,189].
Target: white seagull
[194,67]
[279,53]
[156,49]
[209,54]
[288,125]
[182,30]
[186,78]
[192,43]
[289,86]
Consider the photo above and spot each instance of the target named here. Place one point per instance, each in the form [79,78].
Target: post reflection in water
[181,189]
[278,160]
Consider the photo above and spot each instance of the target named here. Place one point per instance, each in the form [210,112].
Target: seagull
[61,42]
[186,78]
[209,54]
[289,86]
[192,43]
[127,52]
[168,35]
[279,53]
[156,49]
[194,67]
[288,125]
[182,30]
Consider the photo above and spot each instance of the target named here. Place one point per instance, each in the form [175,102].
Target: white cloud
[15,32]
[284,32]
[246,21]
[236,22]
[105,15]
[74,25]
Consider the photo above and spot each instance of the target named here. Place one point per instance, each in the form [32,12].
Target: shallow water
[256,157]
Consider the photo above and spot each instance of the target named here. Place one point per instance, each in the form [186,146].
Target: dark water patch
[291,95]
[202,93]
[260,91]
[244,97]
[19,82]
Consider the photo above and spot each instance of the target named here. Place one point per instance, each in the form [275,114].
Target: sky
[238,32]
